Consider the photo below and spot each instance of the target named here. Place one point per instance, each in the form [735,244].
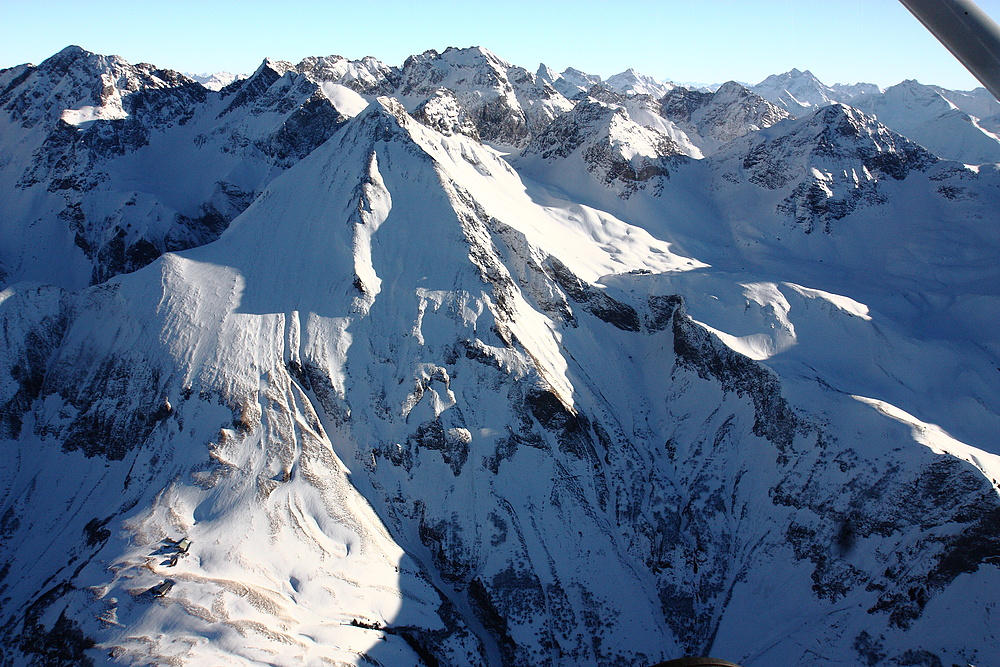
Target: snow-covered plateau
[453,364]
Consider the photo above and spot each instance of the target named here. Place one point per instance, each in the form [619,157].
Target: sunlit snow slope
[420,401]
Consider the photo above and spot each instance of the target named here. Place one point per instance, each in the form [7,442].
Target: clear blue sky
[841,41]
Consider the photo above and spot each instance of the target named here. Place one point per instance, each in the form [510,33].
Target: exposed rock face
[571,82]
[717,118]
[119,209]
[612,147]
[830,164]
[412,401]
[75,78]
[735,111]
[367,76]
[508,104]
[445,113]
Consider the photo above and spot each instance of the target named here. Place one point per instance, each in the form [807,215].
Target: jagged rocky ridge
[421,404]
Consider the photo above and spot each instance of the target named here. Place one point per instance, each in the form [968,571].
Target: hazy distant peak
[631,82]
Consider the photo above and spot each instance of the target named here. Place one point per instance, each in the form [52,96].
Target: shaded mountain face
[114,164]
[419,401]
[829,163]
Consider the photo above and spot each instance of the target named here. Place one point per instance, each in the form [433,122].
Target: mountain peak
[72,51]
[574,72]
[866,136]
[571,82]
[932,118]
[351,386]
[66,58]
[621,154]
[731,88]
[463,55]
[277,66]
[368,76]
[388,106]
[631,82]
[796,73]
[546,73]
[826,164]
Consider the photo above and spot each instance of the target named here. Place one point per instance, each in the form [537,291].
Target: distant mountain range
[457,363]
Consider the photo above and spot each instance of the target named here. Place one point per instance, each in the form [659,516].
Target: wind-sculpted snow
[416,403]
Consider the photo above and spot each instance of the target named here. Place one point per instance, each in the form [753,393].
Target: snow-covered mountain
[828,163]
[675,368]
[604,141]
[506,104]
[945,121]
[977,103]
[570,83]
[714,119]
[216,80]
[795,91]
[631,82]
[928,117]
[800,92]
[113,164]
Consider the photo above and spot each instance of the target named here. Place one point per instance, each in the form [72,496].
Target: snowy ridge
[507,104]
[830,163]
[800,92]
[415,401]
[944,121]
[570,83]
[631,82]
[167,171]
[367,76]
[216,81]
[605,141]
[714,119]
[926,116]
[977,103]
